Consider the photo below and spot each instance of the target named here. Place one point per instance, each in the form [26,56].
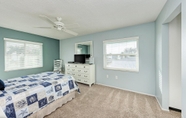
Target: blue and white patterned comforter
[26,95]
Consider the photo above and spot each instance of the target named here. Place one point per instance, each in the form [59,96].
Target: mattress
[24,96]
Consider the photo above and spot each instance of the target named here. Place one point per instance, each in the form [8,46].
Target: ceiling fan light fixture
[59,23]
[59,28]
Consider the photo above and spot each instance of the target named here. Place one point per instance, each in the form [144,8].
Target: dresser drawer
[68,73]
[79,66]
[85,76]
[79,70]
[68,69]
[83,66]
[85,71]
[71,65]
[73,69]
[82,80]
[85,81]
[86,67]
[68,65]
[79,75]
[75,66]
[73,74]
[79,80]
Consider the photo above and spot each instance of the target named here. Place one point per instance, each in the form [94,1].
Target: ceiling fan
[58,25]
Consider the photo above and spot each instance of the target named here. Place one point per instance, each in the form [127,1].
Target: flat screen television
[81,58]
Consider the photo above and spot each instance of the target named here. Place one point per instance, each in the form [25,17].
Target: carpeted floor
[105,102]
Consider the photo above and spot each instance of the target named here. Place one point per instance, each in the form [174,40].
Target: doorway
[175,63]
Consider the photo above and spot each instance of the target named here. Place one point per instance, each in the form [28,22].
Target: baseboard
[174,109]
[160,105]
[126,89]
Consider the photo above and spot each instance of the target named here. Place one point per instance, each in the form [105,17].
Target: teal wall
[84,49]
[142,81]
[50,52]
[88,49]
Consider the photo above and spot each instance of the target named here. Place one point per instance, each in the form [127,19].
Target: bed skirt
[53,106]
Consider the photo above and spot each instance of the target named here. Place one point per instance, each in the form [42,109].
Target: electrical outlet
[107,76]
[116,77]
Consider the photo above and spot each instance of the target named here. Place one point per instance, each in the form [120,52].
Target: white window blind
[121,54]
[22,54]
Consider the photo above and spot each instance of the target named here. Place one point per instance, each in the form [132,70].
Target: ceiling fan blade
[70,32]
[44,27]
[47,19]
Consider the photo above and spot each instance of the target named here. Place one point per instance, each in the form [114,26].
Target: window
[22,54]
[121,54]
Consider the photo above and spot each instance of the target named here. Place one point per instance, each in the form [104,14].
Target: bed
[36,95]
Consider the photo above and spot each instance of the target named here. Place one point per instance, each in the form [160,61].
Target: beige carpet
[105,102]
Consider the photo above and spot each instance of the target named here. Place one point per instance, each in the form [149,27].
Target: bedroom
[97,22]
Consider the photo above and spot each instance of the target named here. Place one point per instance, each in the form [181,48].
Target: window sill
[23,69]
[123,70]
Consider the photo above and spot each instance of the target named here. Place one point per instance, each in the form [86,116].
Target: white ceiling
[91,15]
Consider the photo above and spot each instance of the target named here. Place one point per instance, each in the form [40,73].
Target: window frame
[116,41]
[25,42]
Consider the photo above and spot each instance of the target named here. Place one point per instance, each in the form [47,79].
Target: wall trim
[173,14]
[126,89]
[160,105]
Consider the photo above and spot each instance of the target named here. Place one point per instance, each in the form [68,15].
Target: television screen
[81,58]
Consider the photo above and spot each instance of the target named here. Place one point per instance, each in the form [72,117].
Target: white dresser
[83,73]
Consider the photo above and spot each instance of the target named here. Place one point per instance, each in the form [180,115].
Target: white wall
[175,63]
[162,51]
